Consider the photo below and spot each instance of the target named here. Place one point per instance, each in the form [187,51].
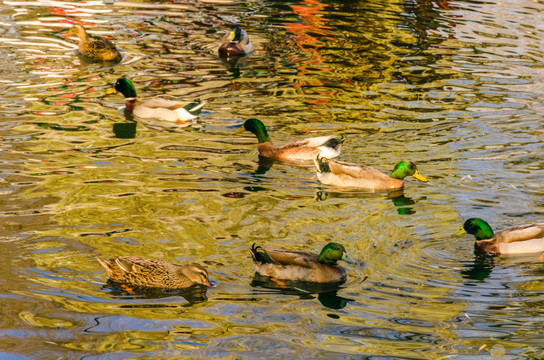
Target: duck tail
[321,164]
[260,255]
[195,107]
[335,142]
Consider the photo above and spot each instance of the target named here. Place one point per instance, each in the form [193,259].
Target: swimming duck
[520,239]
[302,266]
[305,149]
[235,42]
[97,48]
[149,273]
[343,174]
[157,107]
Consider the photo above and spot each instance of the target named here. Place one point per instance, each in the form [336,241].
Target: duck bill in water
[420,177]
[347,259]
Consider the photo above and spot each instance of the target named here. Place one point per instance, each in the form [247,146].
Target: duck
[157,107]
[235,43]
[149,273]
[302,266]
[344,174]
[521,239]
[300,150]
[96,48]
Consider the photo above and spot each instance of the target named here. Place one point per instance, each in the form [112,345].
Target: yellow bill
[461,231]
[420,177]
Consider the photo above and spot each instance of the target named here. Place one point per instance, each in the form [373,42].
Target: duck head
[333,252]
[406,168]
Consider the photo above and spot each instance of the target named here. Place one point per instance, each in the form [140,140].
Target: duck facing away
[522,239]
[343,174]
[96,48]
[301,150]
[157,107]
[149,273]
[235,43]
[302,266]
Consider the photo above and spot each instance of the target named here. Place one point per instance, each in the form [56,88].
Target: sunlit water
[456,87]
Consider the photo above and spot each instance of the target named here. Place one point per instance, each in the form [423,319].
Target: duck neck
[262,134]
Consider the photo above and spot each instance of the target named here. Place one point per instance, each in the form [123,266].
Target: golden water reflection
[454,87]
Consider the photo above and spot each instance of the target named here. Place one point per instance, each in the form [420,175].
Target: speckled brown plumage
[150,273]
[96,48]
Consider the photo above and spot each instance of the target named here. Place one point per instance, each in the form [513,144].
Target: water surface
[454,86]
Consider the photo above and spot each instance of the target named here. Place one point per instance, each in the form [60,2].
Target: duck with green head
[157,274]
[302,266]
[343,174]
[157,107]
[301,150]
[235,43]
[96,48]
[520,239]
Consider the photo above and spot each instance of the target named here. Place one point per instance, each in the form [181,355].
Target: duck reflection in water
[193,295]
[124,130]
[265,164]
[401,202]
[327,294]
[233,64]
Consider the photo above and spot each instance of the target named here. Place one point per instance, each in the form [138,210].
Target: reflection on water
[456,87]
[193,295]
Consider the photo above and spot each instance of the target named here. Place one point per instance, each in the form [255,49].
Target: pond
[456,87]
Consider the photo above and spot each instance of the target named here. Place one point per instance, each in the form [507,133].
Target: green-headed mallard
[302,266]
[235,42]
[157,107]
[149,273]
[305,149]
[343,174]
[96,48]
[520,239]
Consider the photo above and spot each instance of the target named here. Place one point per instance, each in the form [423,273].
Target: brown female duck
[149,273]
[96,48]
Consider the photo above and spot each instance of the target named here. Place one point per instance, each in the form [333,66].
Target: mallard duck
[343,174]
[235,42]
[520,239]
[302,266]
[157,107]
[141,272]
[305,149]
[96,48]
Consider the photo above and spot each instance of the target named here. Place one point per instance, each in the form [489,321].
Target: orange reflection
[310,12]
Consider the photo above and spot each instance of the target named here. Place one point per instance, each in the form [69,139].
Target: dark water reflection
[455,87]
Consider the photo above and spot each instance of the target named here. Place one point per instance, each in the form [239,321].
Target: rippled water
[456,87]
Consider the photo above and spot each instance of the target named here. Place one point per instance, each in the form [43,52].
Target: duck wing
[295,258]
[100,44]
[520,233]
[162,103]
[315,142]
[355,170]
[244,42]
